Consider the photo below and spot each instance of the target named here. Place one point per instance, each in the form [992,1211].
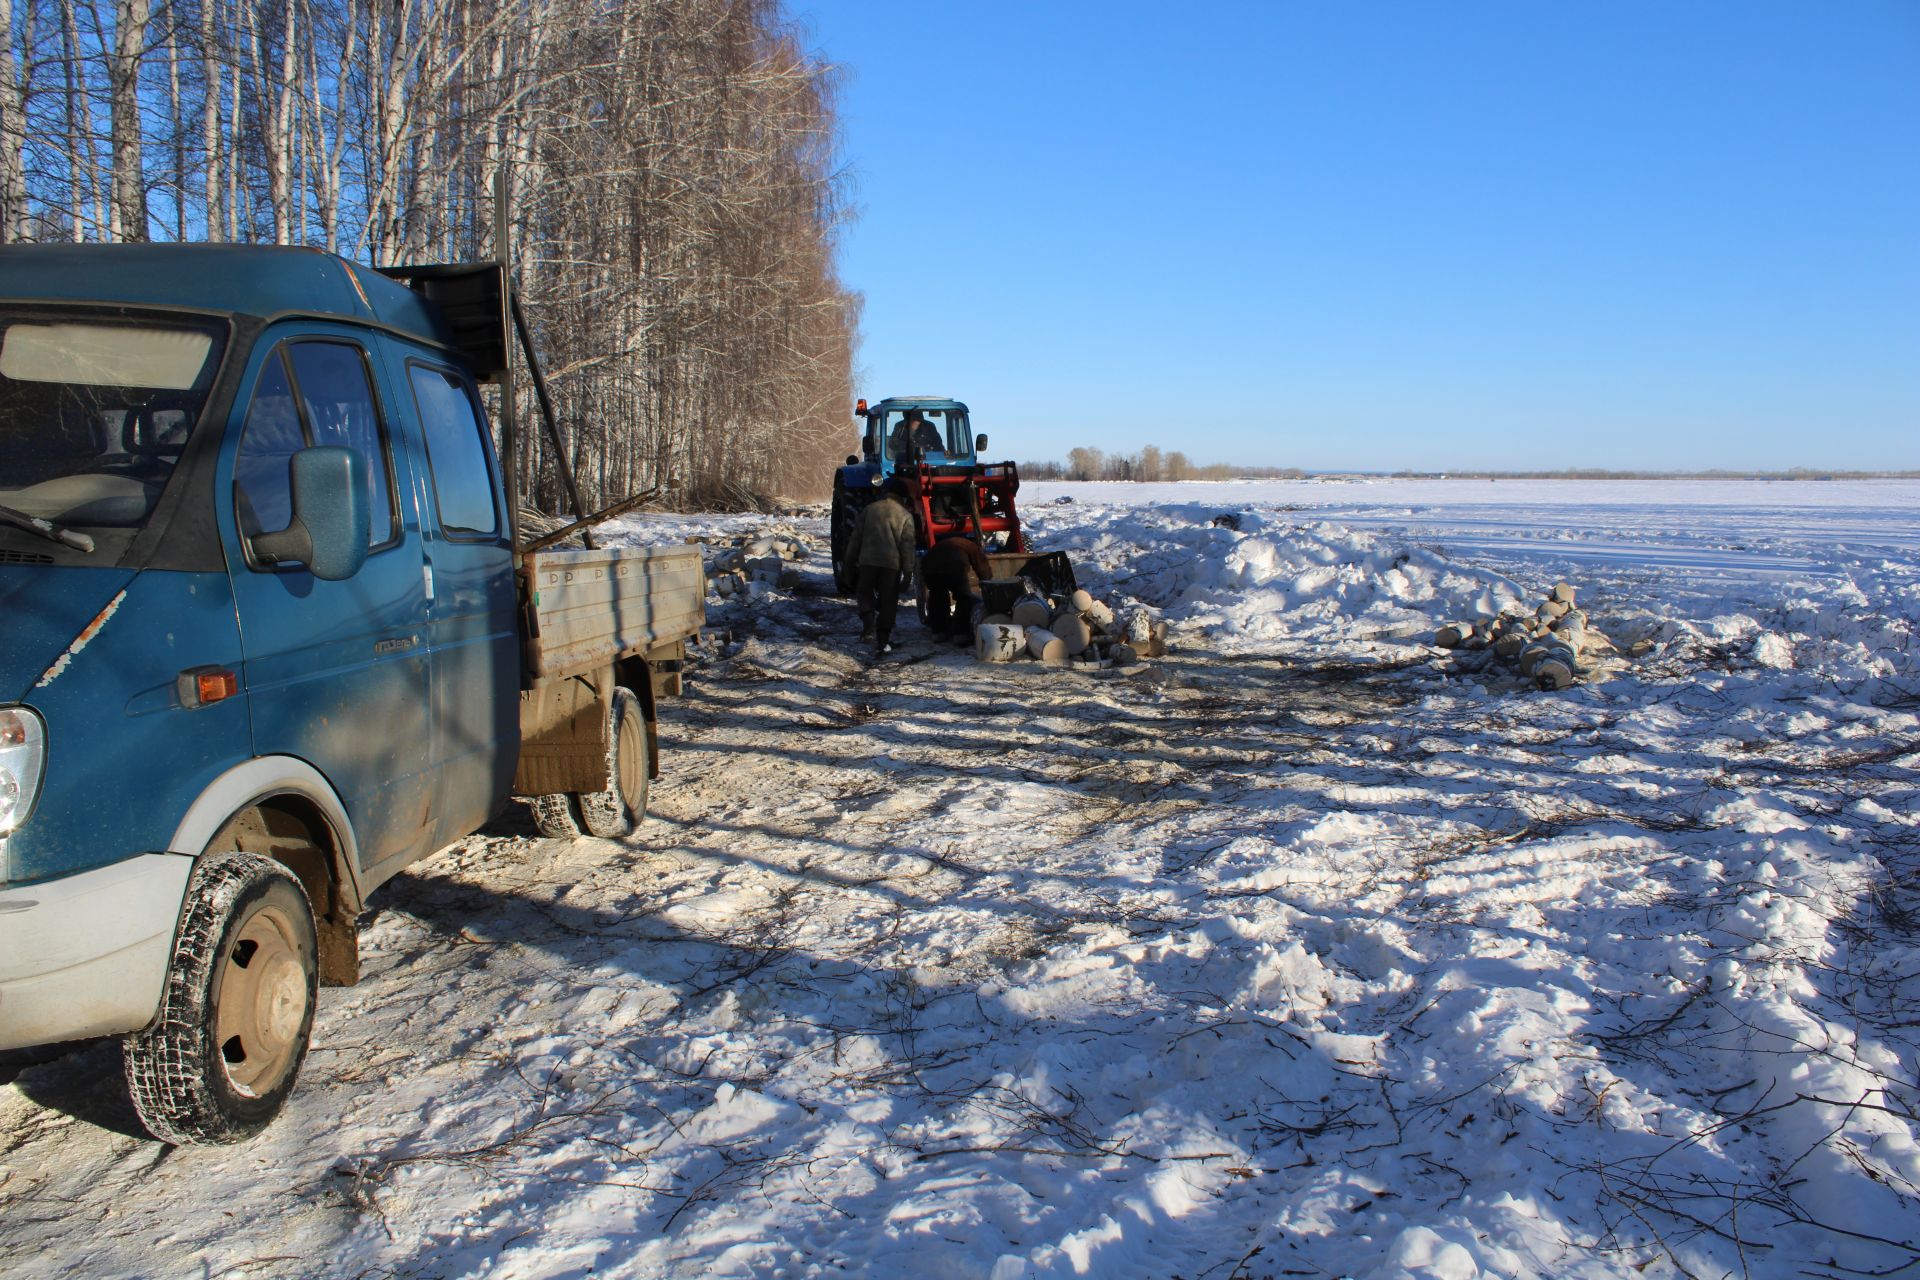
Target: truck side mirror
[980,443]
[331,520]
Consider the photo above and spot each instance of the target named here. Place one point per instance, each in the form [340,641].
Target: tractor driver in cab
[915,436]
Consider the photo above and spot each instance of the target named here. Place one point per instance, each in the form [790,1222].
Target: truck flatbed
[589,609]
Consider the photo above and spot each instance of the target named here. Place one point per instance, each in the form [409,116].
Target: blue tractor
[929,443]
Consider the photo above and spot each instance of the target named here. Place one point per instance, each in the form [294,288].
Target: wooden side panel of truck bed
[592,607]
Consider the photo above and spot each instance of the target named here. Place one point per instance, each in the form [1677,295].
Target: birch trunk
[212,192]
[130,18]
[80,169]
[13,136]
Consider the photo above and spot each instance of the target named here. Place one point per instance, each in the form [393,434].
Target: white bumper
[86,954]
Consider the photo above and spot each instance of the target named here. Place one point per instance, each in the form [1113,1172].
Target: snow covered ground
[1300,953]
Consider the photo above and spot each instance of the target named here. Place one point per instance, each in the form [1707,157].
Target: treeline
[675,192]
[1149,464]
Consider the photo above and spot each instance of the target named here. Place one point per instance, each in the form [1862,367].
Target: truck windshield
[935,434]
[94,413]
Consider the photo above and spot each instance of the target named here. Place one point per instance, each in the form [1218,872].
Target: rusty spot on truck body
[81,641]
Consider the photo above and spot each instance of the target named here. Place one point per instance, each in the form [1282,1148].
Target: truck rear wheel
[618,810]
[223,1053]
[556,815]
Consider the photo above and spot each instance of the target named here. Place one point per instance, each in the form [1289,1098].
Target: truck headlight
[23,750]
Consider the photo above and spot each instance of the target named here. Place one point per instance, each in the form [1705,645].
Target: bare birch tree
[676,192]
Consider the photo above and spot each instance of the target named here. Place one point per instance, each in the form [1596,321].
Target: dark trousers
[878,596]
[949,606]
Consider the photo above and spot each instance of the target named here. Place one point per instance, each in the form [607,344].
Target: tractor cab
[901,432]
[905,431]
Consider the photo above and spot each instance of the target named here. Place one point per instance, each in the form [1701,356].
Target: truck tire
[617,810]
[555,815]
[224,1051]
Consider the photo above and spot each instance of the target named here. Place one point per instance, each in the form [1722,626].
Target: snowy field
[1302,952]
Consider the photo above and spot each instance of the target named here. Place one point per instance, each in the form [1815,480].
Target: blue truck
[271,632]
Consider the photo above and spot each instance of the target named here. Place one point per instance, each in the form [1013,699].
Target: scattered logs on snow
[768,560]
[1072,630]
[1550,646]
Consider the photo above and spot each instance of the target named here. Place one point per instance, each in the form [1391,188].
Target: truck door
[472,633]
[336,673]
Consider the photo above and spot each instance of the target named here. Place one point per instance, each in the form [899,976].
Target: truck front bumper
[86,954]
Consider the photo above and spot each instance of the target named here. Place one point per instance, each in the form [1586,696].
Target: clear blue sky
[1383,235]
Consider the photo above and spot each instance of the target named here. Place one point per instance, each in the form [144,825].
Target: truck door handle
[426,576]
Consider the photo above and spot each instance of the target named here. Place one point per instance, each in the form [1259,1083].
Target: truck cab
[264,647]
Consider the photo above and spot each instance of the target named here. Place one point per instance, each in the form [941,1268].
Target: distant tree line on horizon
[1148,465]
[1601,473]
[676,192]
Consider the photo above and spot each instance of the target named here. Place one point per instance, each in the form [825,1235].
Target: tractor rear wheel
[845,516]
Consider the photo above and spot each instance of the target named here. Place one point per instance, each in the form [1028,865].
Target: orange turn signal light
[215,685]
[202,685]
[859,406]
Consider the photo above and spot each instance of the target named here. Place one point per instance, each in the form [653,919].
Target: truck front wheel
[618,809]
[226,1047]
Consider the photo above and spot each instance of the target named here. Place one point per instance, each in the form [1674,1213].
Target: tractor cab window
[934,434]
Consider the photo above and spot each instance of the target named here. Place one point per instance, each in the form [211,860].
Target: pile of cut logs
[1066,630]
[765,560]
[1547,645]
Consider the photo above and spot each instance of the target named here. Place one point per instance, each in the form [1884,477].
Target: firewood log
[1072,631]
[1031,611]
[1046,646]
[1554,672]
[998,643]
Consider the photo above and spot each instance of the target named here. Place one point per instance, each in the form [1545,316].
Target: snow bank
[1270,577]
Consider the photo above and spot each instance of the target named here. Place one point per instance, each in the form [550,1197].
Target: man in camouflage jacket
[882,552]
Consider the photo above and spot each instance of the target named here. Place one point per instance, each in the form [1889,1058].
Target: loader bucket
[1049,572]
